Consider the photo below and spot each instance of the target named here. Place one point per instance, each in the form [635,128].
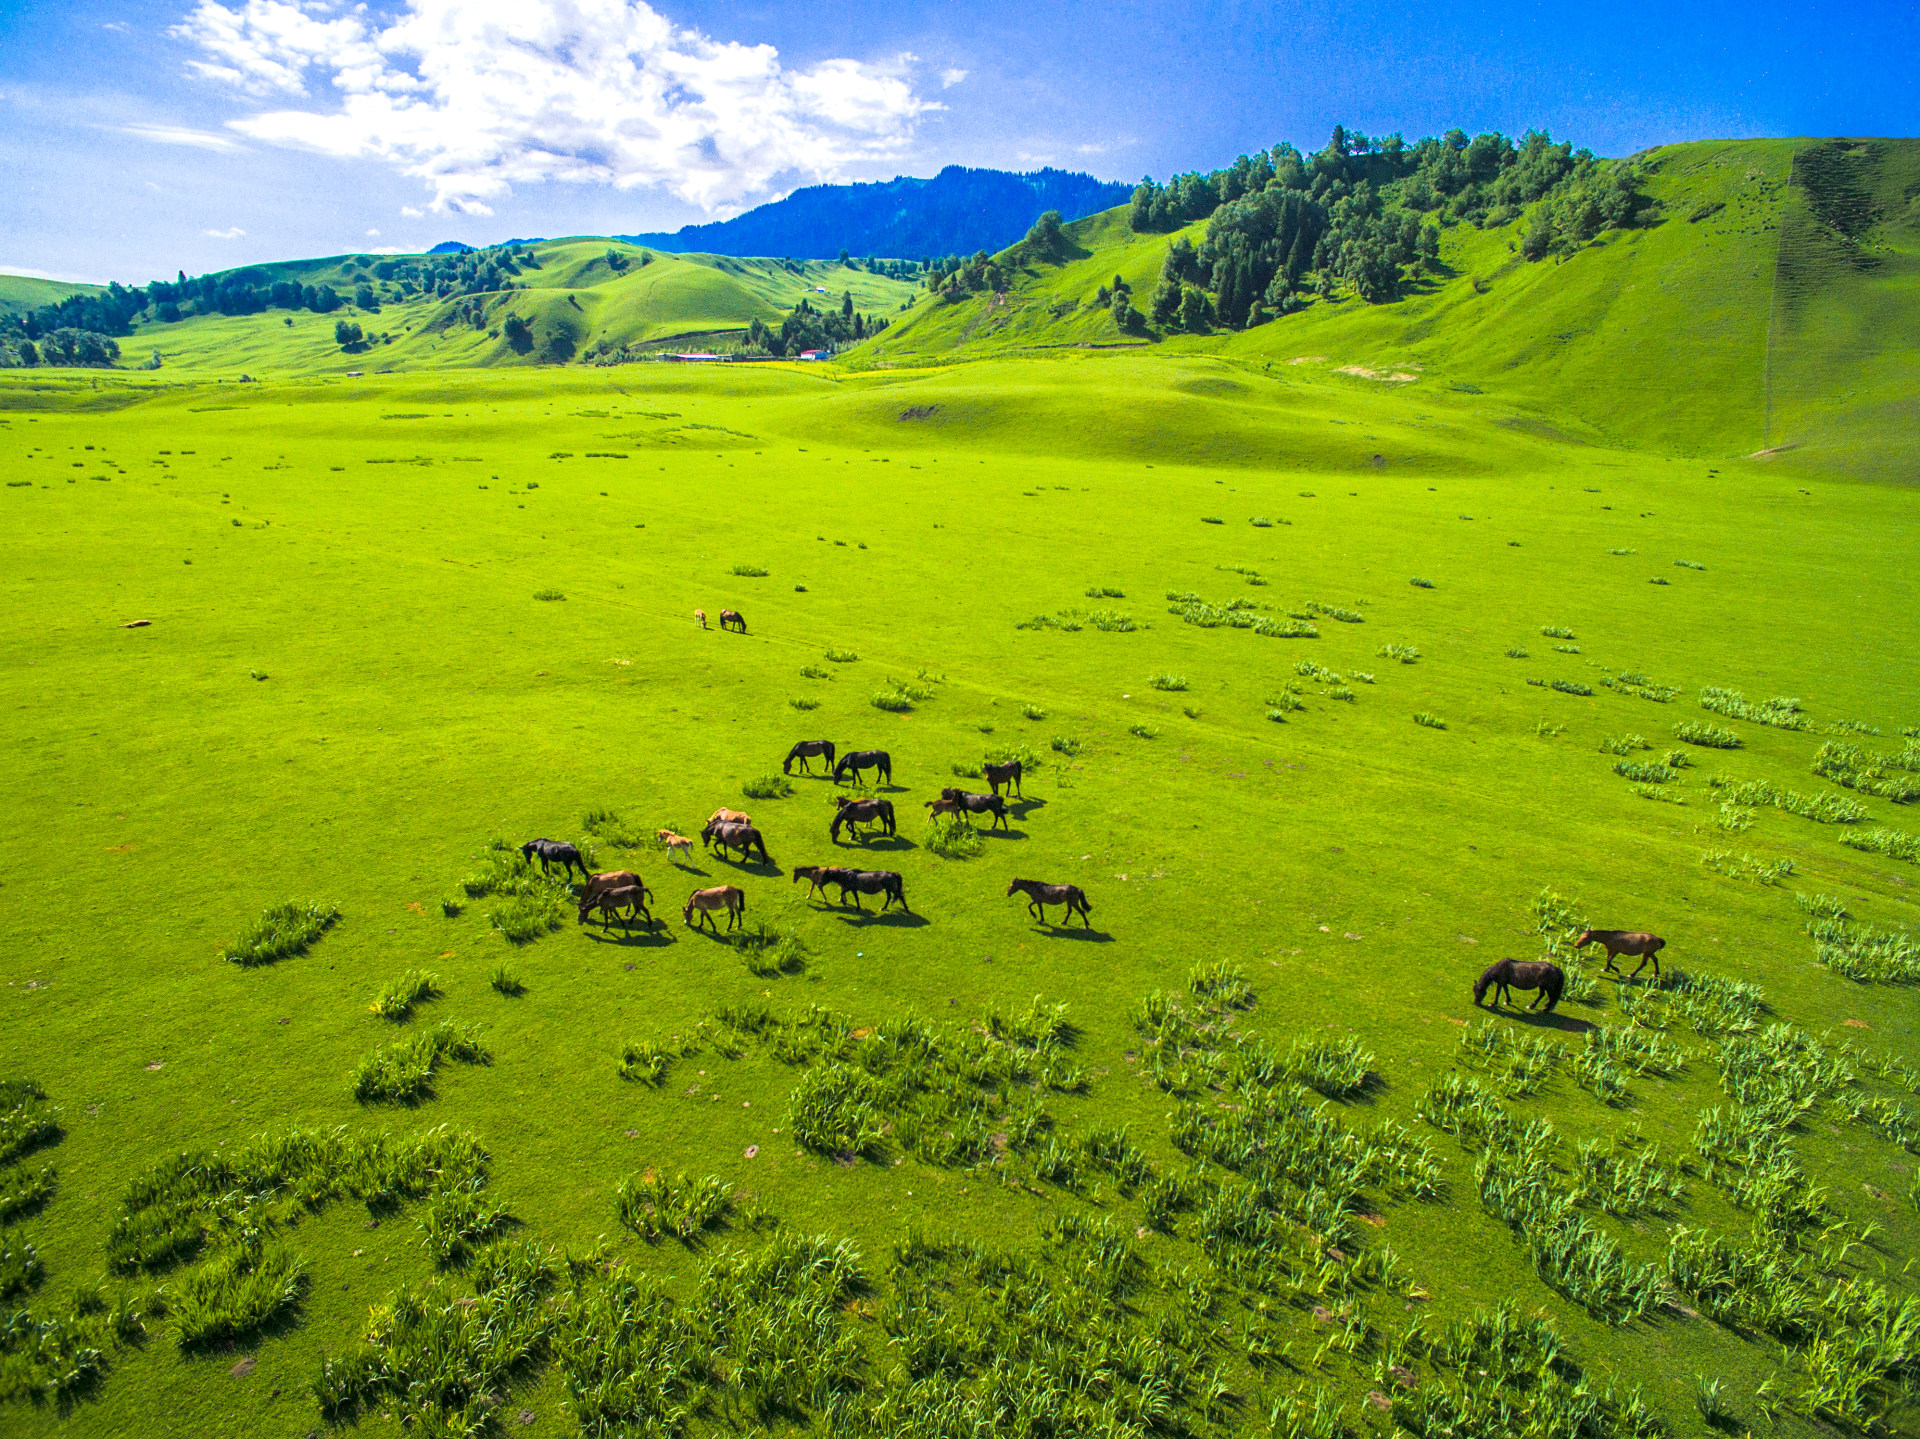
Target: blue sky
[141,138]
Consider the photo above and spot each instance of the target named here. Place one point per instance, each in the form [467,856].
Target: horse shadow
[766,869]
[1079,932]
[684,868]
[1021,808]
[650,936]
[1004,831]
[884,841]
[892,918]
[1545,1019]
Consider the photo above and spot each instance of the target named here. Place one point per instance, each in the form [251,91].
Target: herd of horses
[621,894]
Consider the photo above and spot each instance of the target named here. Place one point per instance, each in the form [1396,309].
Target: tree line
[806,328]
[1364,214]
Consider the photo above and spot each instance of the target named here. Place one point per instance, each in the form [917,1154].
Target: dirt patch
[1396,377]
[919,412]
[1768,454]
[1308,360]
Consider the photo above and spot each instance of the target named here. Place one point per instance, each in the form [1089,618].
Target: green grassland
[20,293]
[1338,689]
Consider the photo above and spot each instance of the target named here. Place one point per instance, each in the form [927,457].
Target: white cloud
[115,25]
[413,212]
[373,234]
[476,96]
[230,234]
[181,135]
[950,78]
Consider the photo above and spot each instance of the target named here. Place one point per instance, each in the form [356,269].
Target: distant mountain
[450,247]
[958,211]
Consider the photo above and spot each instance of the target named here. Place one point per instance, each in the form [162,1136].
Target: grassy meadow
[320,1112]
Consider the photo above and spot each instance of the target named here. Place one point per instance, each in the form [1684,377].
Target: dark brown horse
[743,837]
[1620,941]
[551,852]
[872,881]
[730,620]
[1535,974]
[610,880]
[632,898]
[1040,895]
[979,804]
[856,760]
[729,897]
[856,812]
[818,876]
[1004,774]
[808,749]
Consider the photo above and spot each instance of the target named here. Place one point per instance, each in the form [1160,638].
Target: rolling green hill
[1772,302]
[20,293]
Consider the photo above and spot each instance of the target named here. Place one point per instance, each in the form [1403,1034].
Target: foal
[1619,941]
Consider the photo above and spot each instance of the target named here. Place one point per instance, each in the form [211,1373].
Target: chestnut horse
[1620,941]
[742,837]
[1536,974]
[730,620]
[1040,895]
[609,902]
[729,897]
[819,876]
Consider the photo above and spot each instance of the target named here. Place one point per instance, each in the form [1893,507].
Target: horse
[609,902]
[1004,774]
[942,806]
[856,812]
[551,852]
[700,618]
[1534,974]
[860,759]
[729,897]
[1040,895]
[679,847]
[728,816]
[979,804]
[1620,941]
[743,837]
[872,881]
[612,879]
[730,620]
[819,876]
[805,750]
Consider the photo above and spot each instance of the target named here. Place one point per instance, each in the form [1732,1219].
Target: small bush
[842,657]
[1420,584]
[1406,654]
[814,672]
[397,1000]
[1211,520]
[1430,720]
[281,932]
[1066,745]
[1557,632]
[1033,712]
[1142,731]
[549,595]
[1706,735]
[800,702]
[1514,652]
[1104,592]
[751,572]
[1570,687]
[1167,682]
[506,982]
[951,837]
[644,1063]
[767,786]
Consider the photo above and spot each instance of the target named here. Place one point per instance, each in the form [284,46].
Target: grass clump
[652,1205]
[524,917]
[397,1000]
[1781,711]
[751,572]
[1888,777]
[769,953]
[644,1063]
[841,657]
[1335,612]
[1893,843]
[1625,744]
[1706,735]
[1033,712]
[1557,632]
[814,672]
[1104,592]
[802,703]
[549,595]
[1168,682]
[1066,745]
[282,931]
[402,1072]
[505,981]
[457,1220]
[1570,687]
[1223,983]
[893,701]
[1211,520]
[1641,772]
[27,1121]
[1746,866]
[1856,952]
[1820,808]
[951,837]
[1515,652]
[1429,720]
[1420,584]
[242,1290]
[1143,731]
[767,786]
[1406,654]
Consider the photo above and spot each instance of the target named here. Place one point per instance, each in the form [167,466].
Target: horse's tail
[740,896]
[1555,983]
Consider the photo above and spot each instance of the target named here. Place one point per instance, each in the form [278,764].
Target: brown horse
[598,884]
[679,847]
[1536,974]
[728,816]
[855,812]
[808,749]
[1004,774]
[742,837]
[1620,941]
[632,898]
[700,618]
[818,876]
[729,897]
[730,620]
[942,806]
[1040,895]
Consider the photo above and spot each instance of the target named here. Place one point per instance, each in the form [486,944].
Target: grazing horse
[1039,896]
[818,876]
[679,847]
[942,806]
[806,750]
[1534,974]
[729,897]
[979,804]
[551,852]
[730,620]
[700,618]
[857,760]
[742,837]
[611,880]
[728,816]
[1620,941]
[855,812]
[632,898]
[872,881]
[1004,774]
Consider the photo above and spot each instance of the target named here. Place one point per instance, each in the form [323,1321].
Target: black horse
[551,852]
[857,760]
[808,749]
[855,812]
[871,881]
[1532,974]
[979,804]
[1004,774]
[1040,895]
[743,837]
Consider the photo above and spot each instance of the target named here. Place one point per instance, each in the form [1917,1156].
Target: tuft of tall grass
[1429,720]
[549,595]
[1143,731]
[27,1121]
[1066,745]
[534,911]
[505,981]
[1781,711]
[246,1286]
[842,657]
[1570,687]
[1625,744]
[1167,681]
[1706,735]
[1221,982]
[283,930]
[397,1000]
[1337,612]
[1515,652]
[652,1205]
[1104,592]
[1851,767]
[457,1220]
[767,786]
[402,1072]
[1557,632]
[1420,584]
[750,572]
[644,1063]
[800,702]
[1406,654]
[951,837]
[1893,843]
[814,672]
[770,953]
[1641,772]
